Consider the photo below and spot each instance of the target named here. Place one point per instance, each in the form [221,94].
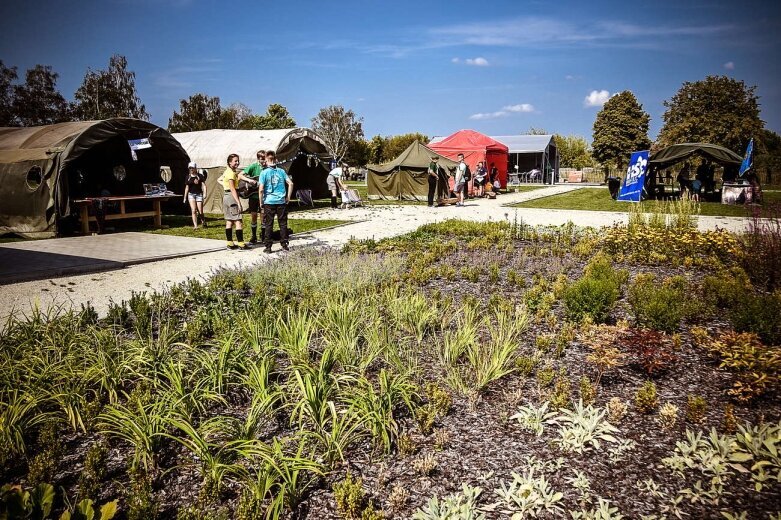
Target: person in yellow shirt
[231,204]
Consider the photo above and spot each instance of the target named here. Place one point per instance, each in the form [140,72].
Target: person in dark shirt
[194,193]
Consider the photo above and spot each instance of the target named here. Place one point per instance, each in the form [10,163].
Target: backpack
[245,189]
[467,173]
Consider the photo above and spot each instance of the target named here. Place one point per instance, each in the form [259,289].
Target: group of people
[270,192]
[482,181]
[703,180]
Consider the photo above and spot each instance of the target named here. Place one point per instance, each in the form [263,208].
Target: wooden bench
[155,212]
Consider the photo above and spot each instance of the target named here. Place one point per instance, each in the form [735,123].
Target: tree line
[718,110]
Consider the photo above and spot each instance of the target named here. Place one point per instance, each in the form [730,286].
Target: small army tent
[476,147]
[532,152]
[680,152]
[405,177]
[300,151]
[44,168]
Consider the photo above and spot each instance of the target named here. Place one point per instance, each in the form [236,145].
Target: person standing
[231,204]
[462,174]
[334,181]
[195,193]
[253,172]
[275,198]
[481,177]
[433,178]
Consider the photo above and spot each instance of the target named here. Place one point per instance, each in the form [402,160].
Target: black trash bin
[613,184]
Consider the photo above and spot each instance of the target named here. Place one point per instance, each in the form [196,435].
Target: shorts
[197,197]
[230,209]
[254,205]
[331,181]
[459,187]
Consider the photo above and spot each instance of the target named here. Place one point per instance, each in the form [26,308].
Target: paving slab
[40,259]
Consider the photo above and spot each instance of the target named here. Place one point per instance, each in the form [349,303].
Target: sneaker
[267,250]
[232,246]
[285,247]
[242,246]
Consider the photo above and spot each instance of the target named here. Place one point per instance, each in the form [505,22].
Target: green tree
[339,128]
[536,131]
[38,102]
[235,117]
[718,110]
[359,153]
[768,156]
[396,144]
[573,151]
[276,117]
[198,112]
[376,149]
[109,93]
[7,78]
[621,127]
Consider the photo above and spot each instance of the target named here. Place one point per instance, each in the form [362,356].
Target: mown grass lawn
[598,199]
[361,188]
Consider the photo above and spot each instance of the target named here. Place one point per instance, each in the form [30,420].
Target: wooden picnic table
[86,218]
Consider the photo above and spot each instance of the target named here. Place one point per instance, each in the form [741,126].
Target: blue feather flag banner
[748,160]
[632,188]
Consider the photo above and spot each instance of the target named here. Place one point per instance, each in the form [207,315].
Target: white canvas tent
[300,151]
[530,152]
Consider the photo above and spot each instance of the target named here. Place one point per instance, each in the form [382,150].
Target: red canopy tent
[476,147]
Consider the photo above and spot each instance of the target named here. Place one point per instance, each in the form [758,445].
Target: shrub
[757,367]
[646,400]
[649,350]
[758,313]
[659,306]
[587,390]
[525,364]
[761,251]
[695,408]
[561,393]
[668,416]
[723,289]
[349,497]
[594,293]
[616,409]
[94,470]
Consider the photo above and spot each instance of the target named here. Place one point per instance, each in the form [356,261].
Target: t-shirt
[253,172]
[460,172]
[432,168]
[480,174]
[336,172]
[195,184]
[273,182]
[228,176]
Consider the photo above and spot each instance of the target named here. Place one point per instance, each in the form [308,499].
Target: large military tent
[44,168]
[476,147]
[532,152]
[405,177]
[300,151]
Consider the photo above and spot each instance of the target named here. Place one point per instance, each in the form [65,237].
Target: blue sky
[434,67]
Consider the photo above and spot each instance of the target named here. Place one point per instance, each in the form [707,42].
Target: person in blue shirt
[275,189]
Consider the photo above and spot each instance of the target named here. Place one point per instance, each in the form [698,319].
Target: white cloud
[477,62]
[569,77]
[455,60]
[596,98]
[730,65]
[504,112]
[523,107]
[489,115]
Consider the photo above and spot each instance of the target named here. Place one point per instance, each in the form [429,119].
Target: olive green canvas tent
[679,152]
[405,177]
[301,152]
[44,168]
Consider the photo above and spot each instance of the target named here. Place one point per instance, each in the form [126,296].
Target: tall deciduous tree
[198,112]
[7,78]
[718,110]
[376,149]
[573,151]
[621,127]
[38,102]
[396,144]
[109,93]
[339,128]
[276,117]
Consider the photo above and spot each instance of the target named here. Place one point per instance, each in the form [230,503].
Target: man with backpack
[463,175]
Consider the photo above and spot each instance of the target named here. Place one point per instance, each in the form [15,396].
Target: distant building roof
[525,143]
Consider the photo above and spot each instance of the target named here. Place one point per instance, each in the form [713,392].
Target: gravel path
[368,222]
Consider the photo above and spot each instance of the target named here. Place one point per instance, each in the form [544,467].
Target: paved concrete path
[377,221]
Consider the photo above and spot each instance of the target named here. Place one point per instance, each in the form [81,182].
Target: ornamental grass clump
[594,293]
[646,399]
